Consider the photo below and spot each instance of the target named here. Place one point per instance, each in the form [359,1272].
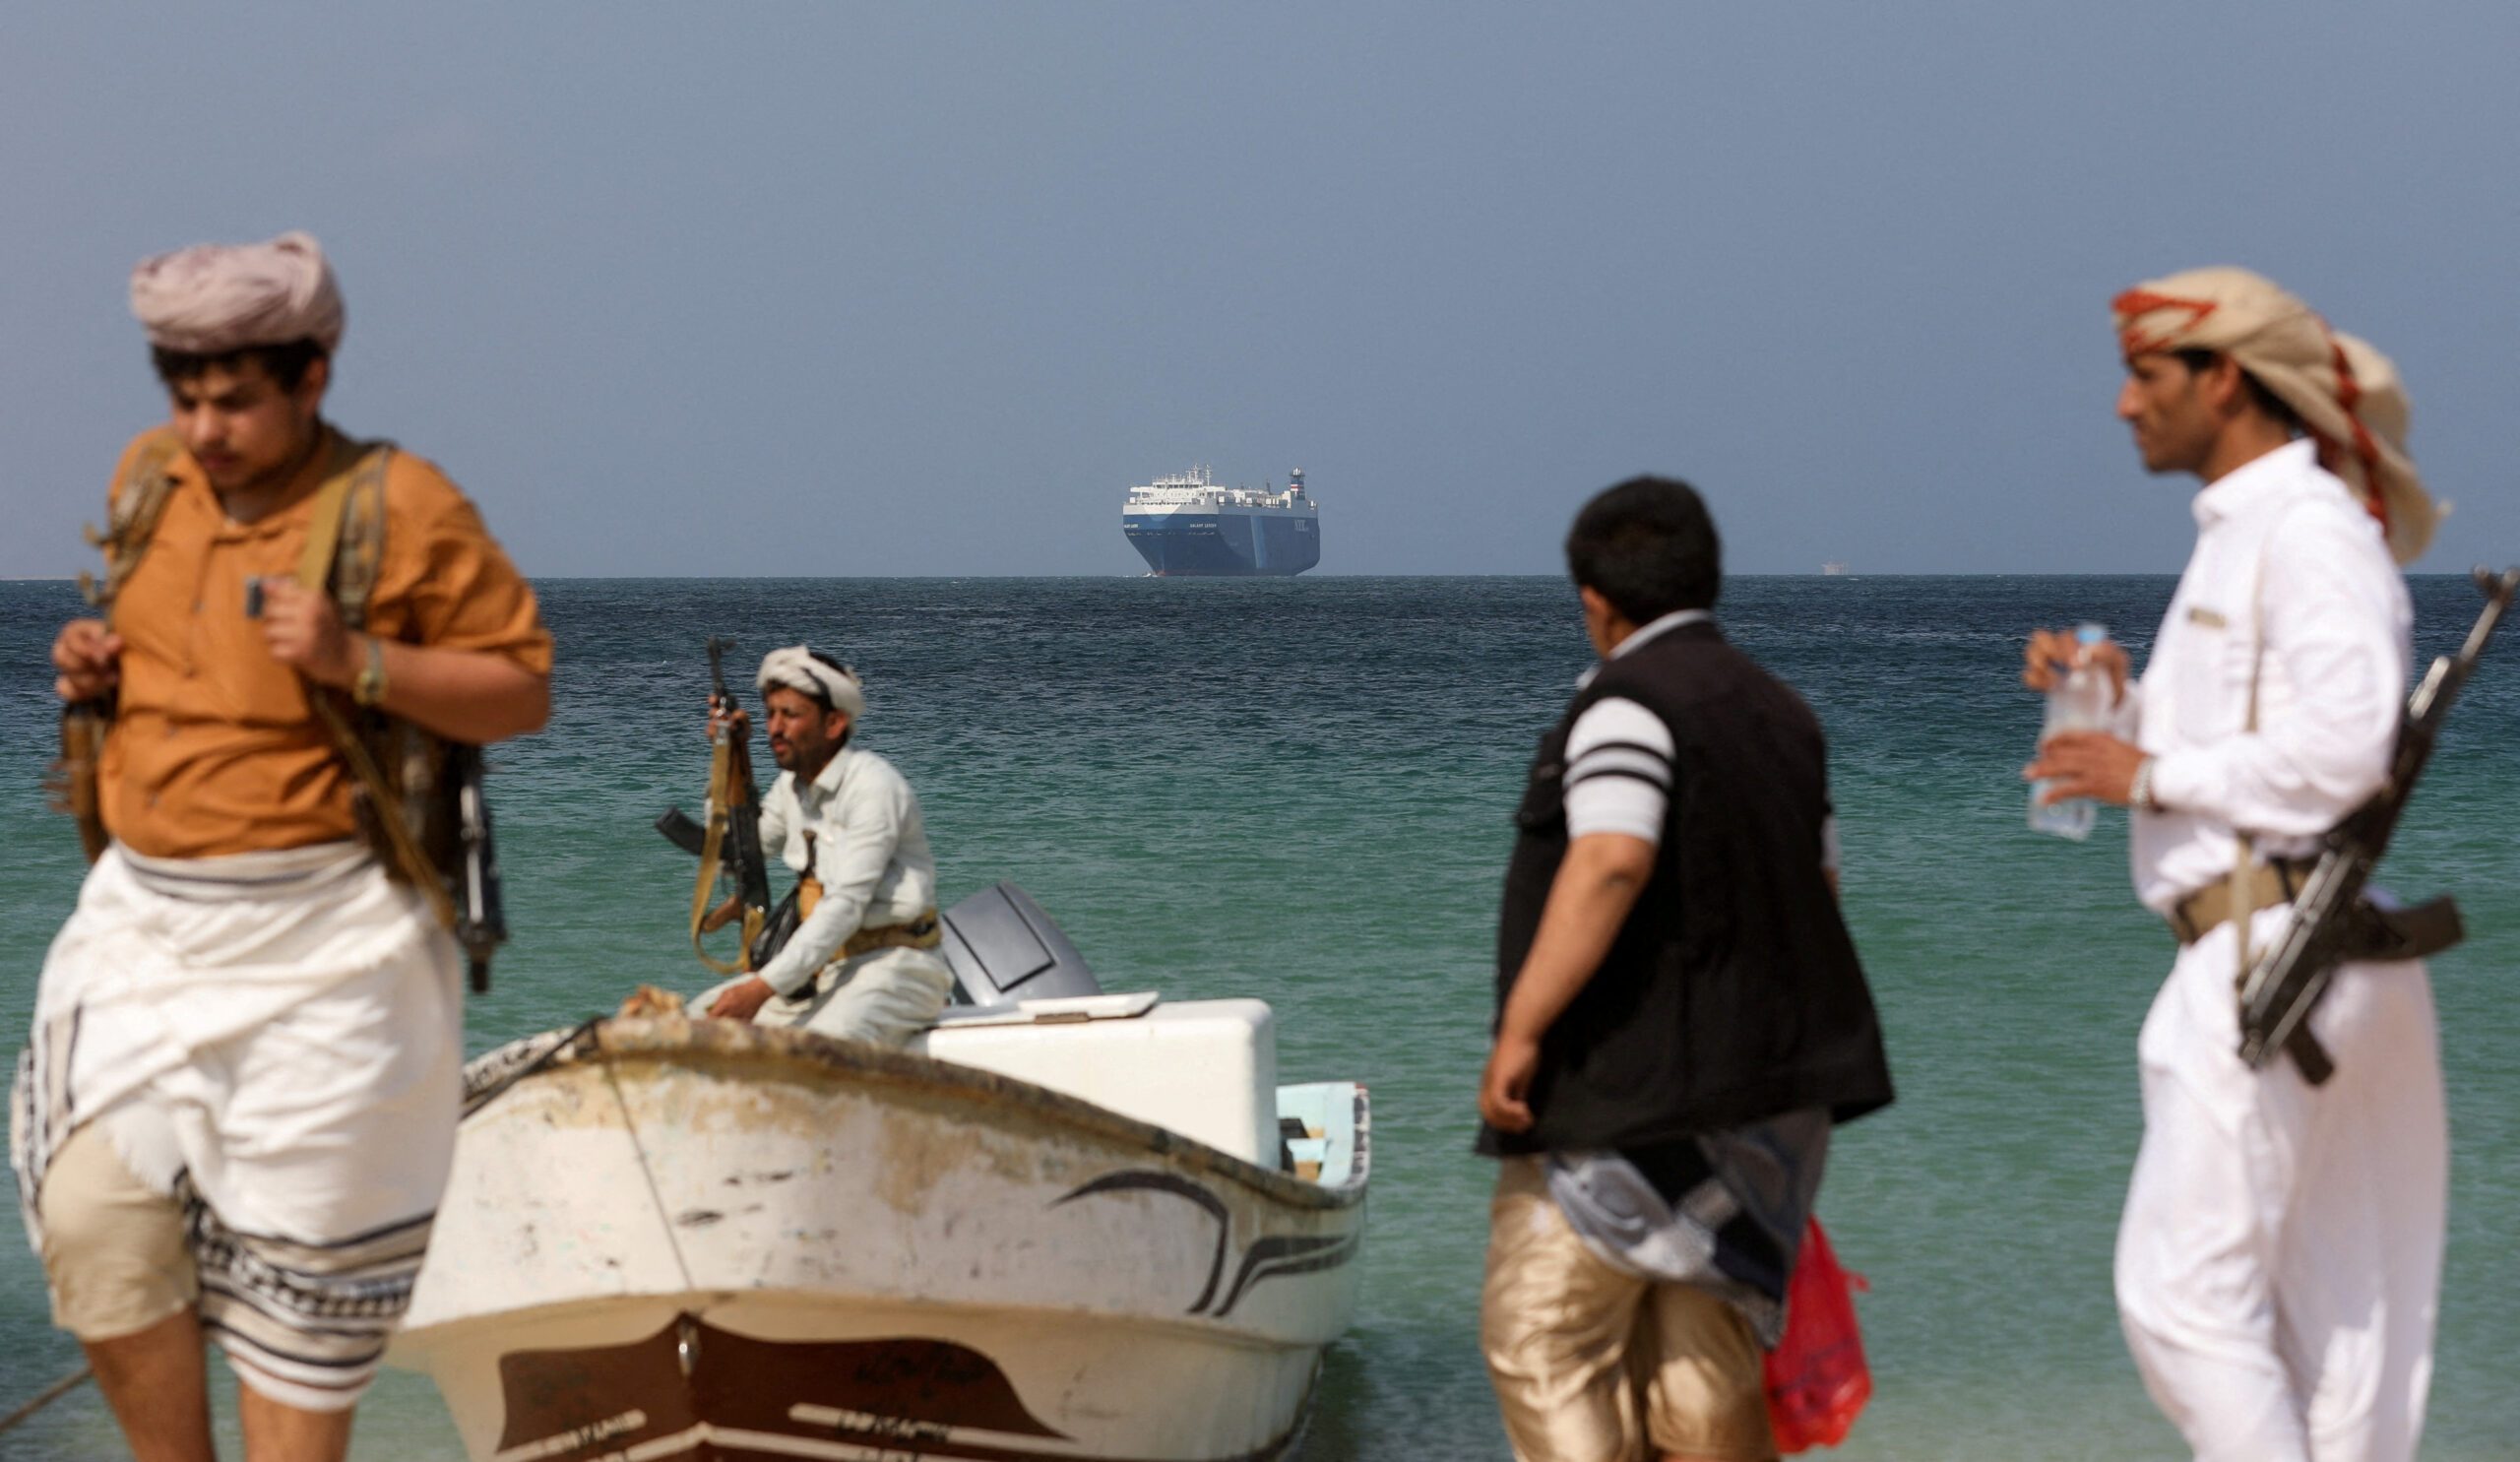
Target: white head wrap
[796,668]
[212,298]
[2347,394]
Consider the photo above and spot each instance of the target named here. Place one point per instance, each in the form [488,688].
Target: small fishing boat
[1089,1227]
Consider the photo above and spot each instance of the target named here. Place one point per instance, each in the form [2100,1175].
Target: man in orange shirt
[237,1110]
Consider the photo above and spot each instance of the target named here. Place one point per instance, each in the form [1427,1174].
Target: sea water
[1301,790]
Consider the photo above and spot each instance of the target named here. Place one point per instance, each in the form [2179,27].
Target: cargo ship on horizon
[1188,527]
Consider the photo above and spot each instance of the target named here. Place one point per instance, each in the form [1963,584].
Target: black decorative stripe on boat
[1141,1179]
[1273,1258]
[1268,1258]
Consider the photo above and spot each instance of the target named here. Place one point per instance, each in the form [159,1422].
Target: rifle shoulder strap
[133,507]
[2243,885]
[359,532]
[344,537]
[2308,1055]
[355,489]
[2244,860]
[138,501]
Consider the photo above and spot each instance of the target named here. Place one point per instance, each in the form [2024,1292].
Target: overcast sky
[857,289]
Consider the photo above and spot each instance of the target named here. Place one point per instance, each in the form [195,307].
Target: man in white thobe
[863,962]
[2279,1259]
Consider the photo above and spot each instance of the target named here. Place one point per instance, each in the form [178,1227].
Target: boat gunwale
[804,1054]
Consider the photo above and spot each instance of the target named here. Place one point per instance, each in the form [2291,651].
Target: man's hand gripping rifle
[728,845]
[2331,923]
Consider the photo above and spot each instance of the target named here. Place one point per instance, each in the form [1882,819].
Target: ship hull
[1224,545]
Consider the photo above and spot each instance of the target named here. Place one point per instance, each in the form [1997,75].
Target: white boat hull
[701,1240]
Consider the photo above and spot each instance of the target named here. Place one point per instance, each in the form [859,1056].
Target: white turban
[796,668]
[2347,394]
[212,298]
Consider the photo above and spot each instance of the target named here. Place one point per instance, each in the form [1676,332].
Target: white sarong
[275,1041]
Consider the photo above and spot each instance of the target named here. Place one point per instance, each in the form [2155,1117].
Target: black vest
[1732,992]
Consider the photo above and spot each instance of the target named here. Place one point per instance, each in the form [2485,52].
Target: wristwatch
[368,688]
[2139,791]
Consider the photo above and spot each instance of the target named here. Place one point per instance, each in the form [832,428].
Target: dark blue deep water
[1298,789]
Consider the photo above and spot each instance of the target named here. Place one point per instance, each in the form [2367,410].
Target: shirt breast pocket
[2215,666]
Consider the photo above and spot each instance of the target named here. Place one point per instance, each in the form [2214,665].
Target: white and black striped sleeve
[1619,771]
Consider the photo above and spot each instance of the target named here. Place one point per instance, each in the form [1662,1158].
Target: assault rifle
[2331,923]
[730,842]
[480,916]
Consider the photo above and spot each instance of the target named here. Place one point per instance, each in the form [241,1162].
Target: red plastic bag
[1817,1379]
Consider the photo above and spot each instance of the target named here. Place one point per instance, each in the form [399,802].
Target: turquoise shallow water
[1298,791]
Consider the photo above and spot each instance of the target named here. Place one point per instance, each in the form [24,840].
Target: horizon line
[1290,578]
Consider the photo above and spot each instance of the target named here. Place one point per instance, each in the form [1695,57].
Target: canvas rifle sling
[722,778]
[132,519]
[132,515]
[342,496]
[2307,1053]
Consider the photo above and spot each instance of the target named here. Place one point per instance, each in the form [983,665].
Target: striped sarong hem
[314,1314]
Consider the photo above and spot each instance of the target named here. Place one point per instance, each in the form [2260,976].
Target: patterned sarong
[274,1041]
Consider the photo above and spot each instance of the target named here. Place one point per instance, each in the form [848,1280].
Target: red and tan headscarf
[212,298]
[2347,394]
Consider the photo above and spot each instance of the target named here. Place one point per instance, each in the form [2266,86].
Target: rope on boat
[492,1072]
[46,1397]
[647,1170]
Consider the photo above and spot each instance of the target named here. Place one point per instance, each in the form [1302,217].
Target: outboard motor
[1002,949]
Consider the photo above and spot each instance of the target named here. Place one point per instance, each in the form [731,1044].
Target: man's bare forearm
[477,696]
[464,695]
[1596,886]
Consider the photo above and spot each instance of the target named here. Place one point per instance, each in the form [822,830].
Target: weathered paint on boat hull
[701,1240]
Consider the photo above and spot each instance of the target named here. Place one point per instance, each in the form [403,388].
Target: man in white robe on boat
[862,963]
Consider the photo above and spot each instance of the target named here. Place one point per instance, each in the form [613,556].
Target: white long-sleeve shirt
[869,851]
[2287,559]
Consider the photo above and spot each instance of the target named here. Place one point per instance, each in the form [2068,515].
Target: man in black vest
[1681,1020]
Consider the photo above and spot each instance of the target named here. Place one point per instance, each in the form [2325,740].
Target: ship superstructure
[1189,525]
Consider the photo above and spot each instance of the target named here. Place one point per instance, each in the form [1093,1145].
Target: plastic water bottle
[2078,702]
